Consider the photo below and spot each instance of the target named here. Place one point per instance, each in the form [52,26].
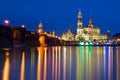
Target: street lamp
[23,26]
[6,22]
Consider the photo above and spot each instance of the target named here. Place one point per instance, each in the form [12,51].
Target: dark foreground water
[60,63]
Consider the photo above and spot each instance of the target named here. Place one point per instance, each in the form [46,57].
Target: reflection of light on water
[80,63]
[59,63]
[7,49]
[87,62]
[6,70]
[32,57]
[22,73]
[45,63]
[40,59]
[39,67]
[90,62]
[83,63]
[118,66]
[52,63]
[104,63]
[70,62]
[109,63]
[111,60]
[77,64]
[56,63]
[32,62]
[64,63]
[98,63]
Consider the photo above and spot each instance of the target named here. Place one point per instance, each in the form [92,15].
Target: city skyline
[59,15]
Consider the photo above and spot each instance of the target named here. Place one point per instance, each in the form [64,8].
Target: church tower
[40,29]
[79,23]
[90,23]
[80,29]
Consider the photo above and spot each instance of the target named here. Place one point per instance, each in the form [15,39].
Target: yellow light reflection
[32,62]
[32,58]
[53,63]
[22,73]
[45,64]
[78,75]
[59,64]
[64,63]
[109,63]
[6,70]
[70,62]
[104,63]
[56,64]
[40,59]
[98,63]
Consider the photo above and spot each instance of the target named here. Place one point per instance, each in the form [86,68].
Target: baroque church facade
[88,33]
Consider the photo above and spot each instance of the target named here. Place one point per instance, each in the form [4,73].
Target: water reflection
[77,63]
[63,63]
[70,63]
[53,71]
[6,70]
[59,63]
[118,63]
[40,62]
[22,73]
[45,63]
[32,63]
[56,63]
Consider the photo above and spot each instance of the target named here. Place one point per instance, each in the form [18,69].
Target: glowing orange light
[22,73]
[48,34]
[45,32]
[56,36]
[53,62]
[40,63]
[59,64]
[64,63]
[42,40]
[38,31]
[7,53]
[45,64]
[6,70]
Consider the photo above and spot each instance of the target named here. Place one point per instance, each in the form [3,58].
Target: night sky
[58,15]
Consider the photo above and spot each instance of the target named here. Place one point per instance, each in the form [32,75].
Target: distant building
[88,33]
[40,29]
[116,37]
[68,36]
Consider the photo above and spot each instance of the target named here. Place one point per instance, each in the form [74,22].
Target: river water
[60,63]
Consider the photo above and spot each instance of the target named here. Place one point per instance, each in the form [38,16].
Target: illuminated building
[68,36]
[87,33]
[40,29]
[116,38]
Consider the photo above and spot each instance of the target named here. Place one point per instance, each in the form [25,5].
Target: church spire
[90,23]
[40,29]
[79,23]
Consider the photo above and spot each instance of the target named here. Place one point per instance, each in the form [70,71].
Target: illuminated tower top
[90,23]
[40,29]
[79,23]
[40,25]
